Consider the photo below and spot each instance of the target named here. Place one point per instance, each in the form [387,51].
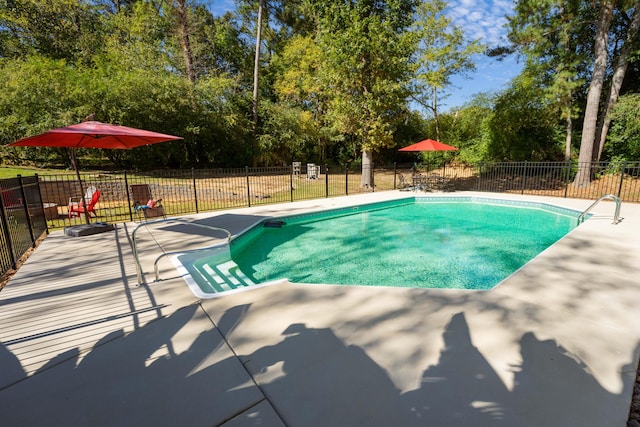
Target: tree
[132,81]
[218,46]
[136,39]
[617,79]
[298,83]
[555,37]
[523,125]
[288,134]
[39,93]
[256,69]
[184,33]
[366,53]
[442,52]
[62,29]
[469,128]
[583,177]
[625,129]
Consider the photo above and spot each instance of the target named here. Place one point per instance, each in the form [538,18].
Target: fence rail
[31,206]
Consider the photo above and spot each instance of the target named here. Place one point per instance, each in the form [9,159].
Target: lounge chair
[141,194]
[84,206]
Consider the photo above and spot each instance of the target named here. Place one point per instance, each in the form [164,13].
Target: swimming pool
[447,242]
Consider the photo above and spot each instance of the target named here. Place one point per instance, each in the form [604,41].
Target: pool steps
[225,277]
[211,276]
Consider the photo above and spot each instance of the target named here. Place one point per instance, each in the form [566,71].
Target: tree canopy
[343,81]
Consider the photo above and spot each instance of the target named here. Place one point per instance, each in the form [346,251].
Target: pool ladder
[136,253]
[616,215]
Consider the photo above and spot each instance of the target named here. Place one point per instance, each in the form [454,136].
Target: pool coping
[188,273]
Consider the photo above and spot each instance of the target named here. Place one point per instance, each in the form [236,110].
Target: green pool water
[430,243]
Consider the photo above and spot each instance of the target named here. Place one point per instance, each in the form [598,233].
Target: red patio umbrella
[92,134]
[428,145]
[95,135]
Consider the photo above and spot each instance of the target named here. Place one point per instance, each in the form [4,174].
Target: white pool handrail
[616,215]
[155,263]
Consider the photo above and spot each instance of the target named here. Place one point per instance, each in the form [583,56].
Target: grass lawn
[13,171]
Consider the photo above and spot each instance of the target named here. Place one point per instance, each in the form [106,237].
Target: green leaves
[523,126]
[442,52]
[61,29]
[366,52]
[625,131]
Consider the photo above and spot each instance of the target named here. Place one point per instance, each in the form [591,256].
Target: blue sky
[480,19]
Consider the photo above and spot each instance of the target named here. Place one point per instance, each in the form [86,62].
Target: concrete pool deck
[555,344]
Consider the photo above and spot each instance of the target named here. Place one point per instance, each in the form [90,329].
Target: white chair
[313,171]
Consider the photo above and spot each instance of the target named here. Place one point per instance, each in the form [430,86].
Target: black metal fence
[22,219]
[556,179]
[193,191]
[32,205]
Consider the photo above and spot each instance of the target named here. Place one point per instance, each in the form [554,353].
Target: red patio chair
[10,200]
[83,208]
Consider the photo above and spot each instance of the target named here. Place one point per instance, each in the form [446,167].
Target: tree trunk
[183,24]
[256,72]
[569,128]
[618,78]
[583,177]
[367,170]
[435,113]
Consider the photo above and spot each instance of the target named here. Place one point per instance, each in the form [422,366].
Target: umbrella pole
[74,160]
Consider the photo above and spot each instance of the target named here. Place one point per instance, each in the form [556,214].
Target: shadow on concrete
[173,371]
[179,370]
[314,379]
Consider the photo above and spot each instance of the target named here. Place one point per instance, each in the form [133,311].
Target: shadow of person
[553,378]
[164,373]
[11,370]
[314,379]
[462,389]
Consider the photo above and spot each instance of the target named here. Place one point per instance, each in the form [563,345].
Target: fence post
[346,179]
[566,181]
[395,174]
[372,173]
[195,190]
[126,188]
[326,181]
[524,177]
[26,210]
[624,166]
[46,224]
[246,171]
[7,234]
[291,183]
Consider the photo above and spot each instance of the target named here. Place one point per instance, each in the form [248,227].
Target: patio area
[555,344]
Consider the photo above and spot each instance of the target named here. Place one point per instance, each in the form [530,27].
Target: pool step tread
[225,276]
